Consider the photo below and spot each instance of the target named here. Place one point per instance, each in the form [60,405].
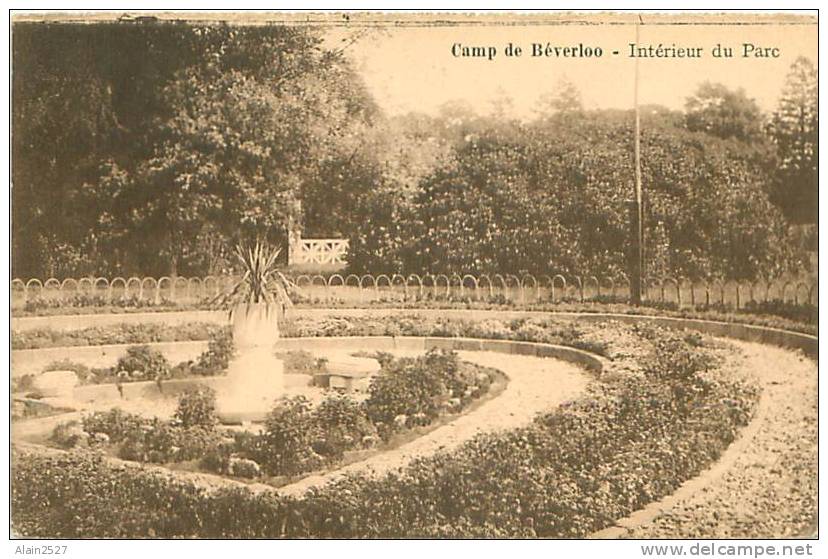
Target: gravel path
[535,385]
[768,485]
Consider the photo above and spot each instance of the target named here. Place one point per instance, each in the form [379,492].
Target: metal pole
[637,221]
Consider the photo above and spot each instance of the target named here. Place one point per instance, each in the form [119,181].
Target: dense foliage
[197,408]
[643,434]
[143,362]
[794,128]
[151,148]
[551,197]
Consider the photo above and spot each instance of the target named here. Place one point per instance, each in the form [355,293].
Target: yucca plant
[261,282]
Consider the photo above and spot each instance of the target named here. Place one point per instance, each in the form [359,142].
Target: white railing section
[319,251]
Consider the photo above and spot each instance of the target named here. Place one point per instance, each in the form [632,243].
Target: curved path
[535,385]
[765,484]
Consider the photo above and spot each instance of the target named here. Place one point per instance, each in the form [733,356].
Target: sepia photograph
[375,275]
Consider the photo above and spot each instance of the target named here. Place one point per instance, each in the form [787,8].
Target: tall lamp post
[636,205]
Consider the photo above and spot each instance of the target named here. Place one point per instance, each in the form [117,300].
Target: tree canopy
[795,131]
[153,136]
[151,149]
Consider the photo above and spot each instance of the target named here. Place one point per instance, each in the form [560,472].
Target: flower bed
[772,314]
[142,363]
[116,334]
[663,410]
[297,438]
[39,305]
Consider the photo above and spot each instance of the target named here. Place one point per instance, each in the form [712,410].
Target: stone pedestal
[255,377]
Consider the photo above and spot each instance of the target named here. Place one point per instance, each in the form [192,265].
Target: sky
[413,69]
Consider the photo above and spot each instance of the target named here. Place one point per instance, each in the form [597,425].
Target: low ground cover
[772,314]
[666,407]
[124,333]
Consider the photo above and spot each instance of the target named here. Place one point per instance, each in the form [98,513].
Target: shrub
[414,391]
[115,423]
[675,357]
[163,442]
[341,424]
[125,333]
[284,447]
[410,388]
[197,408]
[219,352]
[217,458]
[243,467]
[69,434]
[143,362]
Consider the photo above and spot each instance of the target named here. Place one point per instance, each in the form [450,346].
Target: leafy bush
[69,434]
[124,333]
[163,442]
[414,391]
[407,388]
[341,424]
[197,408]
[143,363]
[217,458]
[284,447]
[116,423]
[219,352]
[38,304]
[243,467]
[675,356]
[806,313]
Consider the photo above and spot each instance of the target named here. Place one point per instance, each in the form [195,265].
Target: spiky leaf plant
[261,282]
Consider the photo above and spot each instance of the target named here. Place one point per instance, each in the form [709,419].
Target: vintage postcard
[366,275]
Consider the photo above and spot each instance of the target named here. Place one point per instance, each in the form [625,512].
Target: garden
[251,301]
[664,407]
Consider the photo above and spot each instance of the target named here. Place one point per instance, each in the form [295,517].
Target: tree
[548,199]
[132,142]
[564,99]
[794,128]
[718,111]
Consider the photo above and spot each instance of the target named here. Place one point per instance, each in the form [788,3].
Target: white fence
[352,288]
[319,251]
